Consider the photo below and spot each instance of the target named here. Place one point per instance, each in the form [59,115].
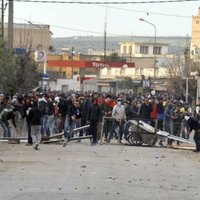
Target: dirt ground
[103,172]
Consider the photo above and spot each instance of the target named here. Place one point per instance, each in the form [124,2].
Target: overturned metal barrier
[173,137]
[71,139]
[58,137]
[140,133]
[13,140]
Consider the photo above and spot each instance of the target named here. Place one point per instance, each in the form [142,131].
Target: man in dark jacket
[6,117]
[129,116]
[194,125]
[62,112]
[35,116]
[74,121]
[84,106]
[94,117]
[145,111]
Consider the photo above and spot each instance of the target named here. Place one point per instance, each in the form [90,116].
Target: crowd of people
[49,113]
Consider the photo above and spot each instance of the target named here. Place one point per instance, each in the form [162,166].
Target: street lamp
[154,49]
[196,75]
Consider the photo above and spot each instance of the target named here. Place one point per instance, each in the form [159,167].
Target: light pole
[154,49]
[197,76]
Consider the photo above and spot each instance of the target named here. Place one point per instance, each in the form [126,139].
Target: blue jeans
[70,125]
[126,129]
[115,124]
[44,128]
[107,127]
[51,125]
[36,134]
[3,125]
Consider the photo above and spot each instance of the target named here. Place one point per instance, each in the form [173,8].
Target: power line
[72,29]
[144,12]
[105,2]
[148,12]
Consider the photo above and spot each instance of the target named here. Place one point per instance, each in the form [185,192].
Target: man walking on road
[94,117]
[35,116]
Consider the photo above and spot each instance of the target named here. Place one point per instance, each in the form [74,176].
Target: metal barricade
[102,134]
[136,134]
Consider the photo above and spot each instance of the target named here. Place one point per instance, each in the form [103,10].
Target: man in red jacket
[154,113]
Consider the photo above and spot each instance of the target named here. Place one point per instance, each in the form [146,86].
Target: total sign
[40,56]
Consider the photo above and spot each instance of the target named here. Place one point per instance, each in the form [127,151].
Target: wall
[72,84]
[30,35]
[90,85]
[195,42]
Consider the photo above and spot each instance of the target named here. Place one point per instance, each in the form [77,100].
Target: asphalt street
[103,172]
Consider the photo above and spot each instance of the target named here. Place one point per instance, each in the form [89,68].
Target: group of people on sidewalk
[50,113]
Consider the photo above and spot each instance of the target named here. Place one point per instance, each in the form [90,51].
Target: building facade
[63,67]
[195,42]
[147,57]
[30,36]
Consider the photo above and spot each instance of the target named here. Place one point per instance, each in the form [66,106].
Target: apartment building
[147,56]
[195,42]
[30,36]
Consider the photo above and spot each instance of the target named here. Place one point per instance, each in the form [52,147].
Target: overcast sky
[170,19]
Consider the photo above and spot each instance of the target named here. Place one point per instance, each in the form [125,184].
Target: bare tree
[27,75]
[178,69]
[126,84]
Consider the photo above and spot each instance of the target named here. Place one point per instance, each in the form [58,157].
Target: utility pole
[105,34]
[187,71]
[10,24]
[2,20]
[105,37]
[154,48]
[72,54]
[105,41]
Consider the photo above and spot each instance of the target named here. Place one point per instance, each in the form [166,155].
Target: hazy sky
[170,19]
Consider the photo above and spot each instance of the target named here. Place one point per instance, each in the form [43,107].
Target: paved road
[103,172]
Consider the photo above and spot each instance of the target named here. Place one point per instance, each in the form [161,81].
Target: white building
[147,56]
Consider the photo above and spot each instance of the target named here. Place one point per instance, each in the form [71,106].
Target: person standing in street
[62,112]
[35,116]
[74,121]
[119,115]
[168,121]
[129,116]
[94,117]
[7,114]
[145,111]
[28,106]
[194,125]
[107,112]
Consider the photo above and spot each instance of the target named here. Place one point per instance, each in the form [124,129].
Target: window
[157,50]
[124,49]
[130,50]
[197,22]
[144,49]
